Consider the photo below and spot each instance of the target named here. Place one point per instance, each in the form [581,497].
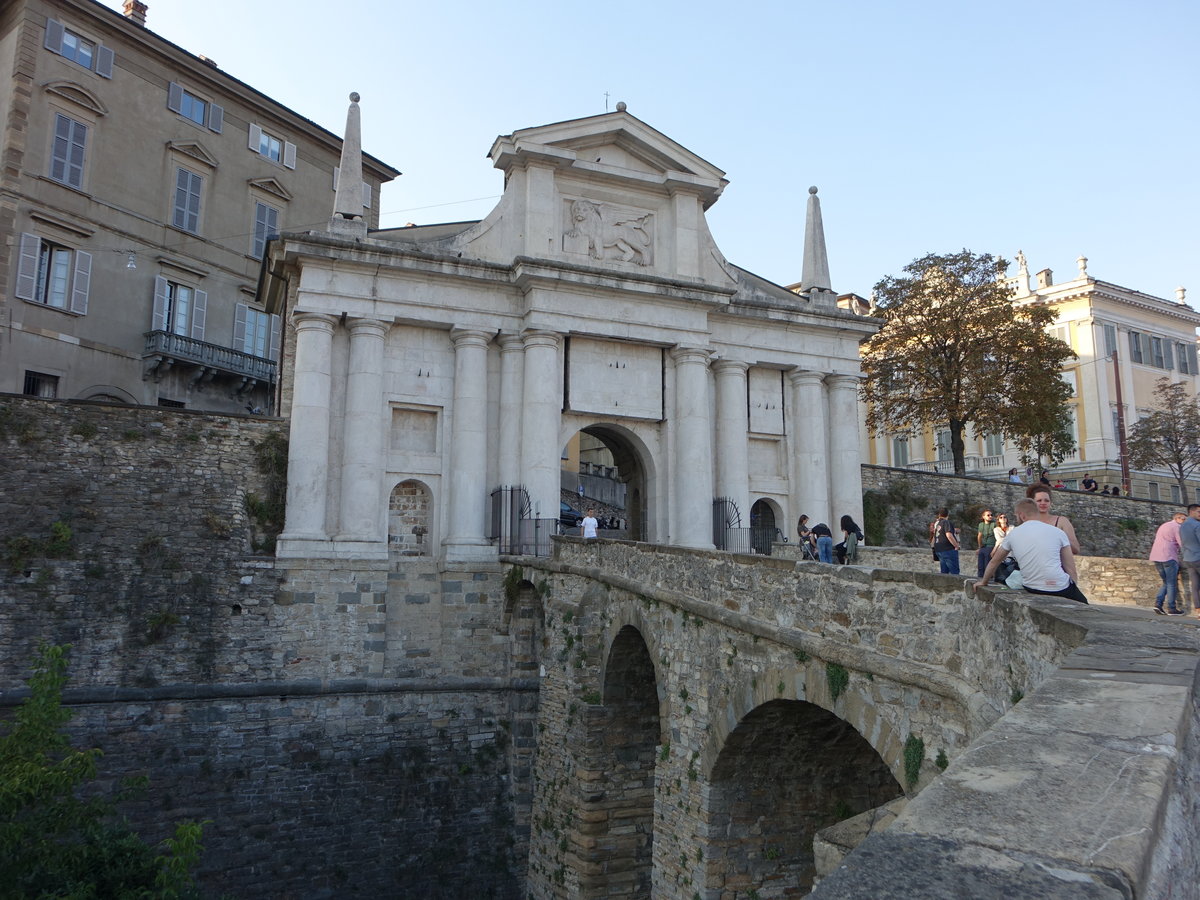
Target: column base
[468,550]
[301,548]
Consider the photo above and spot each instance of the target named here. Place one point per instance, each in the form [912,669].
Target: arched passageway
[624,460]
[789,769]
[623,735]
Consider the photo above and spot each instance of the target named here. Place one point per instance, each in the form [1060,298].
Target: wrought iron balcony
[164,350]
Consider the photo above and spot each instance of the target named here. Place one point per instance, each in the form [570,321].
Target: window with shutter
[266,226]
[1135,346]
[187,200]
[53,275]
[68,151]
[71,45]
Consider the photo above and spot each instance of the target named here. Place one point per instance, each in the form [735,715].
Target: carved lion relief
[605,232]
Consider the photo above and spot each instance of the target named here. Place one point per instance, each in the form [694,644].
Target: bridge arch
[788,769]
[636,468]
[808,683]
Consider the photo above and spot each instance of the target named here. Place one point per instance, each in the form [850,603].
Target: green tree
[1169,437]
[57,839]
[955,349]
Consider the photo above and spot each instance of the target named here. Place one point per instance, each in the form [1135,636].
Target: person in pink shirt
[1165,556]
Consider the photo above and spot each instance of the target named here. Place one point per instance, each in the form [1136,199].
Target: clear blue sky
[1056,127]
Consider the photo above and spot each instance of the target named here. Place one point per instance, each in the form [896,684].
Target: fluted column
[512,373]
[810,442]
[733,452]
[541,417]
[693,475]
[467,503]
[362,430]
[845,470]
[308,443]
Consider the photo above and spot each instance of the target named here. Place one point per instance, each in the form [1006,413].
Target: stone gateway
[440,362]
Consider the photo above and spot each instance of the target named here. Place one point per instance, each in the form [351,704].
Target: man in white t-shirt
[1044,554]
[587,527]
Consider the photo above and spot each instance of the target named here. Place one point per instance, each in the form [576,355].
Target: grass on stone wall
[914,755]
[267,511]
[838,679]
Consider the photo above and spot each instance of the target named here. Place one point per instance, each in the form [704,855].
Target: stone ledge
[893,864]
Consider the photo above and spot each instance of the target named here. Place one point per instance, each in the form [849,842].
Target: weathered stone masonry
[349,731]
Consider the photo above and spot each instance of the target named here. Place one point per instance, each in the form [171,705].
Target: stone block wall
[1106,526]
[349,729]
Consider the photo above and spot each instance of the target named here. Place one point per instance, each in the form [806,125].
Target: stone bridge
[704,717]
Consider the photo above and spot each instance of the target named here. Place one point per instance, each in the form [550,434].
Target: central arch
[789,769]
[634,468]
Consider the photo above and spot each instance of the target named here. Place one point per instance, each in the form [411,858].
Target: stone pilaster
[541,419]
[733,453]
[308,446]
[467,504]
[512,374]
[845,453]
[810,447]
[693,476]
[362,429]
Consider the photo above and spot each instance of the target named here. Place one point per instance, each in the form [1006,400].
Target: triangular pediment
[195,150]
[625,138]
[271,186]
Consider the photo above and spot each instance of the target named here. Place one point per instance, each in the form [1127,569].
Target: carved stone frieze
[604,231]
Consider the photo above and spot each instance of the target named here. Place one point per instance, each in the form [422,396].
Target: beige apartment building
[139,187]
[1151,337]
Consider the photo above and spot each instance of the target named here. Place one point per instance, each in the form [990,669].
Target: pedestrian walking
[1165,556]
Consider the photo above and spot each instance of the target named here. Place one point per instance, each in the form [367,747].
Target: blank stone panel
[766,401]
[611,378]
[414,430]
[766,458]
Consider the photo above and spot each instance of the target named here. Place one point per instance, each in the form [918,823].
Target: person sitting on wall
[1106,492]
[849,527]
[1047,563]
[1089,483]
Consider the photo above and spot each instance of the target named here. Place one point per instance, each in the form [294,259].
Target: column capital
[536,337]
[367,326]
[313,321]
[730,367]
[843,380]
[685,355]
[510,342]
[805,377]
[470,337]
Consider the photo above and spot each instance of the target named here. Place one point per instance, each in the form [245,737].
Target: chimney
[1045,278]
[135,12]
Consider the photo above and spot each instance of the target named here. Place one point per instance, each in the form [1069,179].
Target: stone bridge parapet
[704,716]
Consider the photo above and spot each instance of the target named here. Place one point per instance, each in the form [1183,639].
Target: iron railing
[514,530]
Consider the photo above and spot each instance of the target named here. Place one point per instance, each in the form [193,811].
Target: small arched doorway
[410,519]
[762,526]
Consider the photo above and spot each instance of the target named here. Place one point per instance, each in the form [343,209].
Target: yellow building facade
[1125,340]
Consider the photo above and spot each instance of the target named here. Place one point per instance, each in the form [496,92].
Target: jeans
[825,548]
[984,557]
[1193,574]
[1169,573]
[949,561]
